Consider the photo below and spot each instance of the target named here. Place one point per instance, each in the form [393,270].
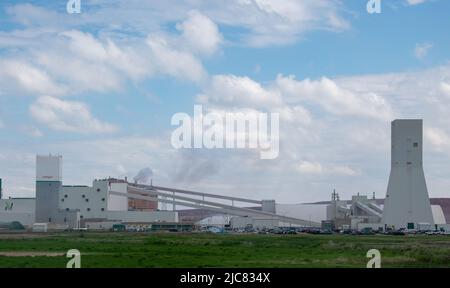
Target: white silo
[407,195]
[48,187]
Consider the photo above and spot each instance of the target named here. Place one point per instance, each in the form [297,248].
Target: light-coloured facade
[407,195]
[258,223]
[18,209]
[49,168]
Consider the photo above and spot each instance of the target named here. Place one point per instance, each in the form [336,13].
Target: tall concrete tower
[407,195]
[48,187]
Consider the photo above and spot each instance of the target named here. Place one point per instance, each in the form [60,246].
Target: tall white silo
[407,195]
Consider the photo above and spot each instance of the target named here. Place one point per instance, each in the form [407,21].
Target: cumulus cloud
[336,126]
[92,64]
[20,76]
[332,97]
[69,116]
[200,33]
[62,59]
[171,61]
[287,93]
[239,91]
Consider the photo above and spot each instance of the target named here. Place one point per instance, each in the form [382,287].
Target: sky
[100,88]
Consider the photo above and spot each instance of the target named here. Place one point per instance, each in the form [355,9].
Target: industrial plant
[119,204]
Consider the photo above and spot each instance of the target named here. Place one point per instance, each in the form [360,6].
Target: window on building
[103,199]
[98,189]
[67,209]
[103,209]
[83,195]
[65,196]
[416,144]
[62,200]
[88,209]
[87,200]
[81,217]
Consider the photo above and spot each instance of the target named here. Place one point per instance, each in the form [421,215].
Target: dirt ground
[21,235]
[30,254]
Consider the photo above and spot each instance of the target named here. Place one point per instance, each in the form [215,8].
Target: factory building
[110,202]
[71,207]
[18,209]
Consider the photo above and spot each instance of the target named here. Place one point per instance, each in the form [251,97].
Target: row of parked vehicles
[313,230]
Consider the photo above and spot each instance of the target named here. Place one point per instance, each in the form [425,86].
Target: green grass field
[227,250]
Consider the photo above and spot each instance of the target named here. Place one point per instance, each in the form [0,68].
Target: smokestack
[1,191]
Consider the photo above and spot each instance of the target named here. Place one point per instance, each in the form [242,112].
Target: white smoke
[144,176]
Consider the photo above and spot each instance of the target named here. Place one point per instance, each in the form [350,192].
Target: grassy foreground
[214,250]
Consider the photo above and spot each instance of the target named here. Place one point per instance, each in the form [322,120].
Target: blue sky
[100,88]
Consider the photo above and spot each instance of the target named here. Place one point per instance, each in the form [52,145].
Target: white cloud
[91,64]
[308,167]
[69,116]
[200,33]
[263,22]
[239,91]
[279,22]
[17,75]
[73,61]
[437,137]
[128,60]
[287,94]
[32,15]
[421,50]
[171,61]
[415,2]
[332,97]
[332,127]
[445,88]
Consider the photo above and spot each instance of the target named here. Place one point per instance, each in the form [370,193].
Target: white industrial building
[72,207]
[21,210]
[107,202]
[111,201]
